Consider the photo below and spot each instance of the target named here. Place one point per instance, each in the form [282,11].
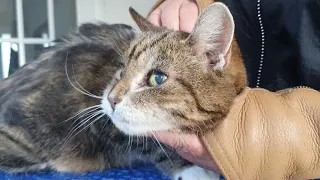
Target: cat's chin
[136,122]
[134,127]
[131,130]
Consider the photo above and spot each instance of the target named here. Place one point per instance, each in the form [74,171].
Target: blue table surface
[113,174]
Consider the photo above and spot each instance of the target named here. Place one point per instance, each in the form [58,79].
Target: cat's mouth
[133,121]
[129,129]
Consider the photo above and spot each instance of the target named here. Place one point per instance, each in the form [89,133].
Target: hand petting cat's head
[174,80]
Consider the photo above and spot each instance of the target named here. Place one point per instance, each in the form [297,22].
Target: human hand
[190,147]
[176,15]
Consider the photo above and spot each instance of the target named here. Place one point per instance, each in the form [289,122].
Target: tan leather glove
[269,136]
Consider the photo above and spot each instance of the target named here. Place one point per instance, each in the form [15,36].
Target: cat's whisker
[85,115]
[127,148]
[66,70]
[154,141]
[162,148]
[182,141]
[80,112]
[130,146]
[142,146]
[126,151]
[82,123]
[84,127]
[75,78]
[197,127]
[104,126]
[159,144]
[117,49]
[137,143]
[93,121]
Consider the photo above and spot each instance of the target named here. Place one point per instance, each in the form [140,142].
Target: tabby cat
[87,102]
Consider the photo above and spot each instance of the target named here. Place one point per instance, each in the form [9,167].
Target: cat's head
[175,80]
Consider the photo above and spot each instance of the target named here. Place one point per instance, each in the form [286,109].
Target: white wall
[7,17]
[111,11]
[65,16]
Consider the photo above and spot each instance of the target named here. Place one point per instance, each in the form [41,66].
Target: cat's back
[87,58]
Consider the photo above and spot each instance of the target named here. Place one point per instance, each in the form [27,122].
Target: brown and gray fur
[204,72]
[38,129]
[37,105]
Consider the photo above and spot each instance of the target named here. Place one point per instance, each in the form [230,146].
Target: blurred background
[28,26]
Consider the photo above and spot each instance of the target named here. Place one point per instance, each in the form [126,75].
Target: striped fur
[204,75]
[37,104]
[37,101]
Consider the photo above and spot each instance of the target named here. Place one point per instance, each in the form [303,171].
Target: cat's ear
[213,34]
[143,24]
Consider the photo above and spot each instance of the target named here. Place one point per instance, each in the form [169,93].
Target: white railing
[21,40]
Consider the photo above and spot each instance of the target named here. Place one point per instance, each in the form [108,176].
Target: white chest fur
[195,173]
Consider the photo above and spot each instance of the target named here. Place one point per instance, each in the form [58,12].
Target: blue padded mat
[114,174]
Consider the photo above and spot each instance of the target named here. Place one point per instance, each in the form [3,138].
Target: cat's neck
[237,67]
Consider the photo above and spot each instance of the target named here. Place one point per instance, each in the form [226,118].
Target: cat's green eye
[156,78]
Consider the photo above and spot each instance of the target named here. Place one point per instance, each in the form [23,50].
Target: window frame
[21,40]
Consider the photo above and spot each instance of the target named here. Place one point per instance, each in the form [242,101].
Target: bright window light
[5,55]
[45,36]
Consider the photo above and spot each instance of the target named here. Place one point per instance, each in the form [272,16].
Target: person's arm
[265,136]
[269,136]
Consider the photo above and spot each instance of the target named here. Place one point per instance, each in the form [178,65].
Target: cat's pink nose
[113,100]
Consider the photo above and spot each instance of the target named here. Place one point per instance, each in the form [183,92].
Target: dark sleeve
[308,44]
[291,31]
[292,43]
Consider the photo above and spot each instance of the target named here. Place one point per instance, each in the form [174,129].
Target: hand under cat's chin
[156,133]
[189,146]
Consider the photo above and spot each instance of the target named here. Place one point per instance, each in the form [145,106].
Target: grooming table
[113,174]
